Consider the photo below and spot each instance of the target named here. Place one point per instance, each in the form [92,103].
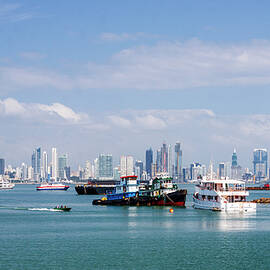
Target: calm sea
[102,237]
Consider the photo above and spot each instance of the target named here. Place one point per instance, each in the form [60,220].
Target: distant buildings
[139,169]
[178,161]
[54,164]
[36,162]
[2,166]
[126,165]
[149,162]
[62,165]
[260,160]
[236,170]
[105,167]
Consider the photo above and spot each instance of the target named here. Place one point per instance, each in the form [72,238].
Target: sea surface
[32,236]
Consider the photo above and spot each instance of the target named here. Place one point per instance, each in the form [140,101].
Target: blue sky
[120,76]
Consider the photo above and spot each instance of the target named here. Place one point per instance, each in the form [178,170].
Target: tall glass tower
[178,160]
[36,162]
[2,166]
[260,159]
[149,162]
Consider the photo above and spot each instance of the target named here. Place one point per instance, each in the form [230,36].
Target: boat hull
[224,206]
[53,188]
[176,198]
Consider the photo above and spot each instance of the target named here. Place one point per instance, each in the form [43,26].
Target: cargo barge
[96,187]
[162,192]
[264,187]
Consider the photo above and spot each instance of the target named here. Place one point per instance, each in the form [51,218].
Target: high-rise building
[88,169]
[105,167]
[236,170]
[36,162]
[159,161]
[44,168]
[178,161]
[149,162]
[139,169]
[2,166]
[164,158]
[116,173]
[54,164]
[62,164]
[126,165]
[221,170]
[260,159]
[170,165]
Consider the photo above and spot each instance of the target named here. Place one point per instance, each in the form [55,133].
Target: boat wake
[43,209]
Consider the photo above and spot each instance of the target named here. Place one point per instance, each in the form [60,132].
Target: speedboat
[62,208]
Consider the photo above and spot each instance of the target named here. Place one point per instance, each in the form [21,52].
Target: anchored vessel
[50,186]
[162,192]
[96,187]
[5,184]
[222,195]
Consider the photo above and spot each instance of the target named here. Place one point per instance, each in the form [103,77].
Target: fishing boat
[5,184]
[52,186]
[222,195]
[62,208]
[162,192]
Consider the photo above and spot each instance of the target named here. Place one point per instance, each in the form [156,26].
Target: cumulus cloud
[42,112]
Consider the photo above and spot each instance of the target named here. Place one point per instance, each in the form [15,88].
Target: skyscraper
[139,168]
[164,158]
[44,168]
[178,160]
[36,162]
[236,170]
[2,166]
[54,164]
[149,162]
[126,165]
[260,159]
[62,164]
[105,167]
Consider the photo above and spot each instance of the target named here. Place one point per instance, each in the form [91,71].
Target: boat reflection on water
[224,221]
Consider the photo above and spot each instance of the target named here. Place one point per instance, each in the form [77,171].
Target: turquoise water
[102,237]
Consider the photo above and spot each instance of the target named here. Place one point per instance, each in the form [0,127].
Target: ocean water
[110,237]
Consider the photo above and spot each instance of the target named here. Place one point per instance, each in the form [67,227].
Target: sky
[118,77]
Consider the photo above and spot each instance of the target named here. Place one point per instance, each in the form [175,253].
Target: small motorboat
[62,208]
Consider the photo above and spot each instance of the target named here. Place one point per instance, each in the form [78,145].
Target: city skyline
[108,82]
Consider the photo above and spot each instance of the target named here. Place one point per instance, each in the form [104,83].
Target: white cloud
[170,65]
[40,112]
[11,106]
[120,121]
[61,110]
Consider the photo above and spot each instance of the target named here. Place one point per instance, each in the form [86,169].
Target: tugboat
[162,192]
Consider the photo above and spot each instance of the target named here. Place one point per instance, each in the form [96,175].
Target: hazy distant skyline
[119,77]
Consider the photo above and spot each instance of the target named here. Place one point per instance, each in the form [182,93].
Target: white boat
[5,184]
[52,186]
[222,195]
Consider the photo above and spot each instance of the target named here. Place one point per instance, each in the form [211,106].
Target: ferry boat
[222,195]
[162,192]
[52,186]
[5,184]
